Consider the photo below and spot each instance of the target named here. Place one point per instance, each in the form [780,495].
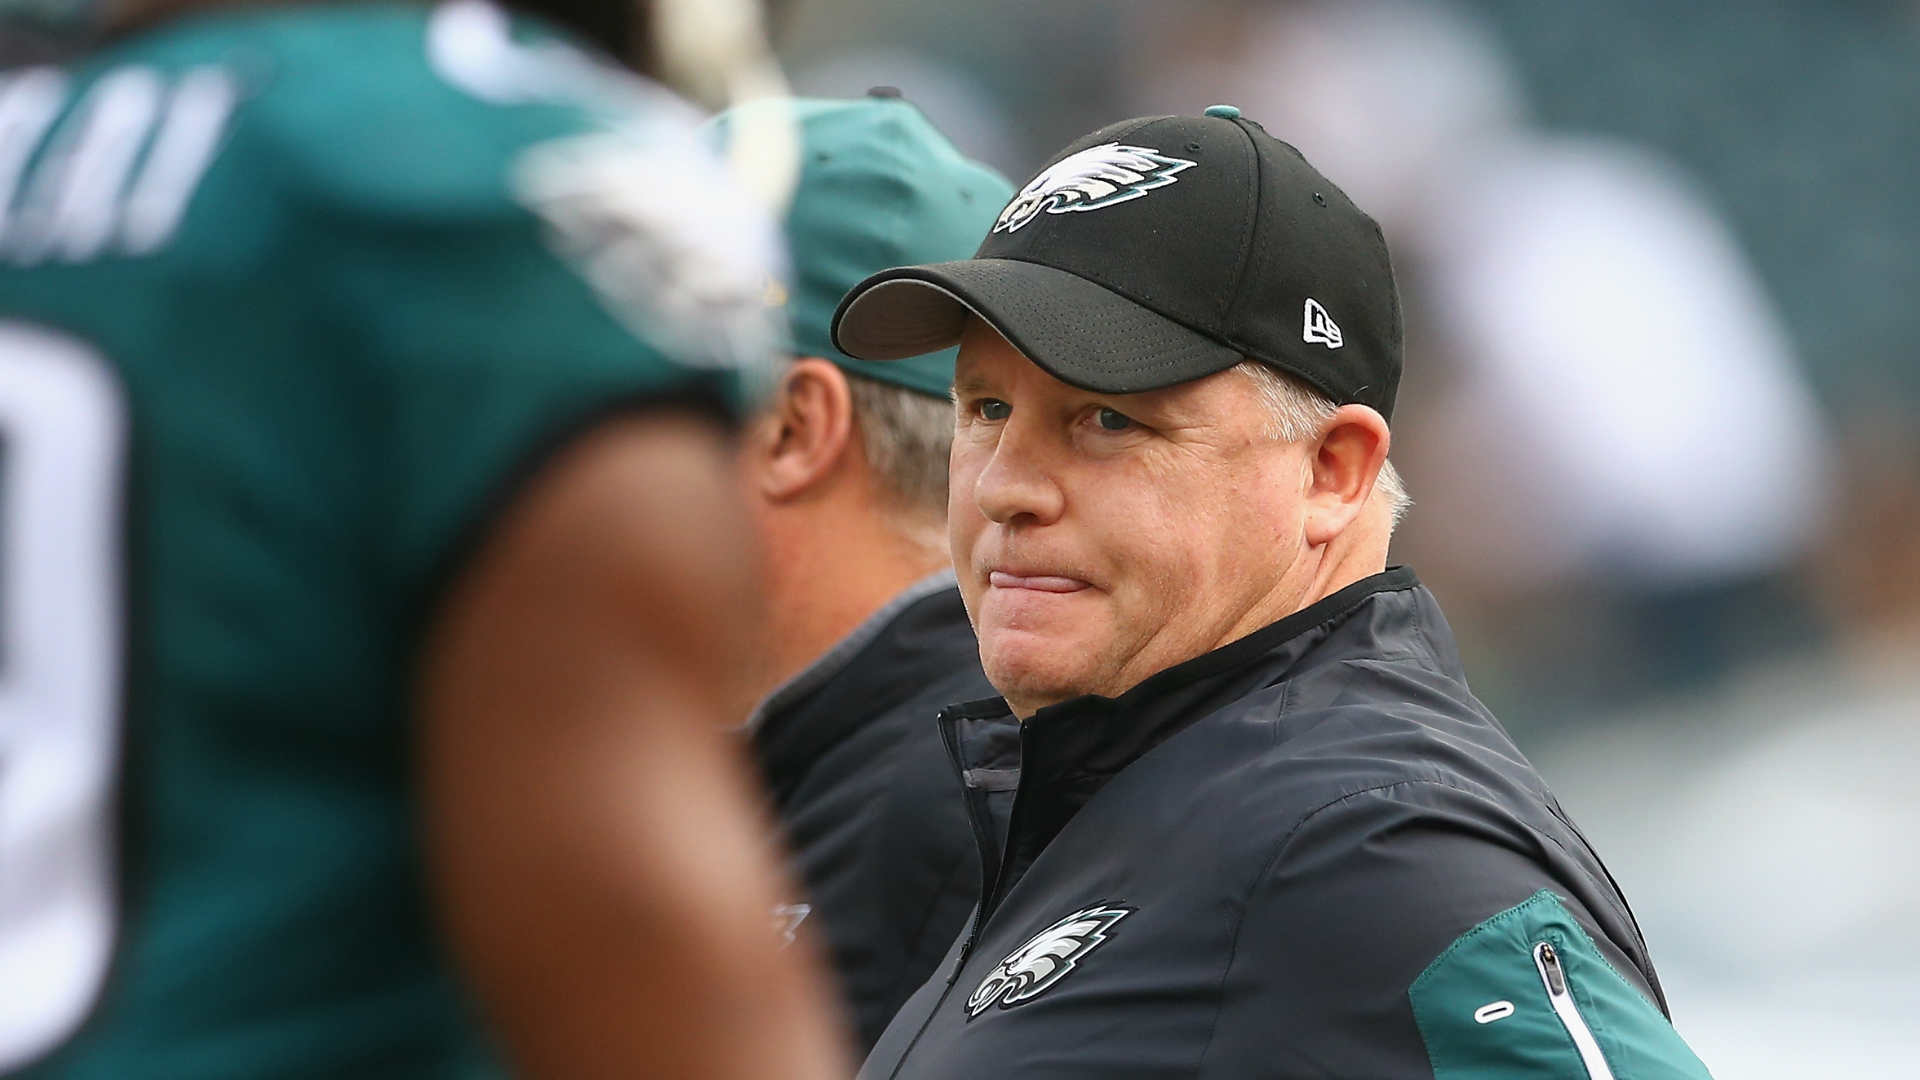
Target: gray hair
[907,437]
[1297,412]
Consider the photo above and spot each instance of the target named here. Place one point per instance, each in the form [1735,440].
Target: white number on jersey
[62,465]
[82,198]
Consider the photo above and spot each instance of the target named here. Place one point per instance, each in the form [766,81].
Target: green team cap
[879,187]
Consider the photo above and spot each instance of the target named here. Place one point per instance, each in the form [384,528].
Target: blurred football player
[370,568]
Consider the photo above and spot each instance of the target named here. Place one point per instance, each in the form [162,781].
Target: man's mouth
[1052,583]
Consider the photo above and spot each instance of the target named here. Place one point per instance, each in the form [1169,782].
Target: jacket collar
[835,660]
[1069,751]
[918,648]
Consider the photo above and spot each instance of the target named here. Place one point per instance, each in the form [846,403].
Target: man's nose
[1018,484]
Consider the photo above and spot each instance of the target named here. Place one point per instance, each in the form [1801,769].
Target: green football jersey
[288,298]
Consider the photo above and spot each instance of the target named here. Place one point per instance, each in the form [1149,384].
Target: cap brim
[1077,331]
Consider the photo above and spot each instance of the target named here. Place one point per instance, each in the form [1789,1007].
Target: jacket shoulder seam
[1266,869]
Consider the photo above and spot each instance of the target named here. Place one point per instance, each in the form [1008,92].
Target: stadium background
[1662,413]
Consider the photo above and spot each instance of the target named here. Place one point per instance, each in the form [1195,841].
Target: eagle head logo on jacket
[1045,959]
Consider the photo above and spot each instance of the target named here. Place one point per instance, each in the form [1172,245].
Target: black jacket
[851,751]
[1311,852]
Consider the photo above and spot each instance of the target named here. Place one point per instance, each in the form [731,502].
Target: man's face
[1100,538]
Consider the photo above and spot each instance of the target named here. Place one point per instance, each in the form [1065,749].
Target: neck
[827,569]
[1335,574]
[1359,552]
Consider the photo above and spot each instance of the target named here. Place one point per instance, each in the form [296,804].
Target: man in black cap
[1262,826]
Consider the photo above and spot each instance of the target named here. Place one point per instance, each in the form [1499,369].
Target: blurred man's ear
[1344,463]
[802,438]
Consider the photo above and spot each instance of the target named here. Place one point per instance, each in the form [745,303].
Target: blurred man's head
[846,466]
[830,444]
[1179,348]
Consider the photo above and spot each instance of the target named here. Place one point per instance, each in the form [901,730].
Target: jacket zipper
[976,813]
[983,843]
[1560,996]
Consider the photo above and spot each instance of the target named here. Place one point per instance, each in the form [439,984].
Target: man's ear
[1345,462]
[802,438]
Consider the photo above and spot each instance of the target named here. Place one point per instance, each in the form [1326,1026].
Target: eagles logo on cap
[1095,177]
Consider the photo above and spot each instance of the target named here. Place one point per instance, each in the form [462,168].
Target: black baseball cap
[1156,251]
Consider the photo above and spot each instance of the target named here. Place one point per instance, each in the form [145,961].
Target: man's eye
[993,409]
[1113,420]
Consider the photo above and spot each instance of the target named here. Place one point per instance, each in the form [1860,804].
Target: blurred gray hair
[1297,412]
[907,437]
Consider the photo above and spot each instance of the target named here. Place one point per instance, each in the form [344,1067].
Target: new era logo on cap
[1320,329]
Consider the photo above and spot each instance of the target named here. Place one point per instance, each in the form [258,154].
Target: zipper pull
[960,962]
[1553,975]
[1550,964]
